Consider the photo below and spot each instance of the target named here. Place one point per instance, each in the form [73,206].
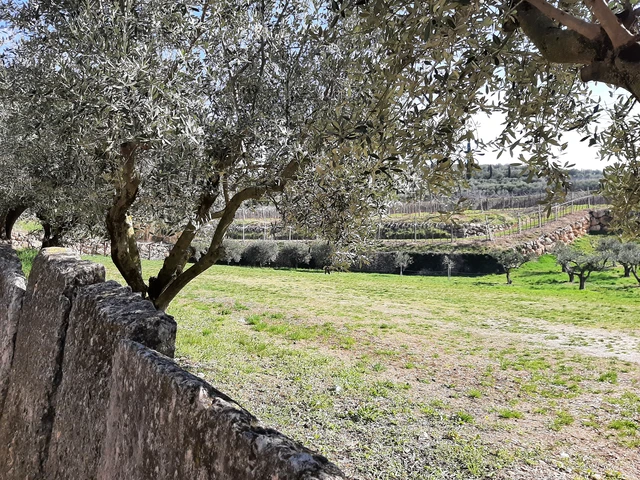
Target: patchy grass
[27,256]
[28,225]
[421,377]
[508,413]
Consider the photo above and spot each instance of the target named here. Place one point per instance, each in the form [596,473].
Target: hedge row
[317,255]
[277,255]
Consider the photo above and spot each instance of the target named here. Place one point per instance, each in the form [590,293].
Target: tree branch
[557,45]
[227,215]
[578,25]
[174,264]
[620,37]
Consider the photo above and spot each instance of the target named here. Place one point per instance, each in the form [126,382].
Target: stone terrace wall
[92,393]
[595,221]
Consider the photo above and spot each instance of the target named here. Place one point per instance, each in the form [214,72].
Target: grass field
[424,377]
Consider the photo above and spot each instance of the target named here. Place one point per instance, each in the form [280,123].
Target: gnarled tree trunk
[8,220]
[124,249]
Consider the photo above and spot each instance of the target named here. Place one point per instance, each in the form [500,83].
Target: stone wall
[595,221]
[12,288]
[90,390]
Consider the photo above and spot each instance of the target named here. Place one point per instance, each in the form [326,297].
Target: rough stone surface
[164,423]
[26,422]
[101,315]
[12,287]
[566,234]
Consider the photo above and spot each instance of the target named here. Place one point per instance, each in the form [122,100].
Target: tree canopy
[116,113]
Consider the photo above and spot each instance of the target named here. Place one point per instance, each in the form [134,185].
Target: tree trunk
[52,236]
[124,249]
[583,280]
[509,281]
[627,270]
[215,250]
[9,220]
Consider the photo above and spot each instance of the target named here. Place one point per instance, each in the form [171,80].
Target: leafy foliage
[626,254]
[293,255]
[260,253]
[580,263]
[402,260]
[510,259]
[137,110]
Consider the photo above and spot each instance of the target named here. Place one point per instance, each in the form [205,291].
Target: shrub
[259,254]
[321,254]
[293,255]
[232,251]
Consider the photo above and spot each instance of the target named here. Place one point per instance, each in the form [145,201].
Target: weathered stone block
[12,287]
[29,410]
[101,316]
[164,423]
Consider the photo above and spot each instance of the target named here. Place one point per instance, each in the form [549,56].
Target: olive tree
[629,257]
[582,264]
[402,260]
[626,254]
[531,61]
[184,113]
[510,259]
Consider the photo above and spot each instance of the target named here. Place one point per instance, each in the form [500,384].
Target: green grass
[30,225]
[27,256]
[508,413]
[562,419]
[540,291]
[369,367]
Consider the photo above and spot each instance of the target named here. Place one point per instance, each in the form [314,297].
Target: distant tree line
[498,179]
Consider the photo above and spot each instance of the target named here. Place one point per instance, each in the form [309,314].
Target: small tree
[629,257]
[449,263]
[563,255]
[510,260]
[613,247]
[581,264]
[402,260]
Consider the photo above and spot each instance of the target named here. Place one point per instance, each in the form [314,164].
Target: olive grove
[116,113]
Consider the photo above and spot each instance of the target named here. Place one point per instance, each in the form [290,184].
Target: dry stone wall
[12,288]
[101,316]
[141,440]
[91,390]
[595,221]
[29,407]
